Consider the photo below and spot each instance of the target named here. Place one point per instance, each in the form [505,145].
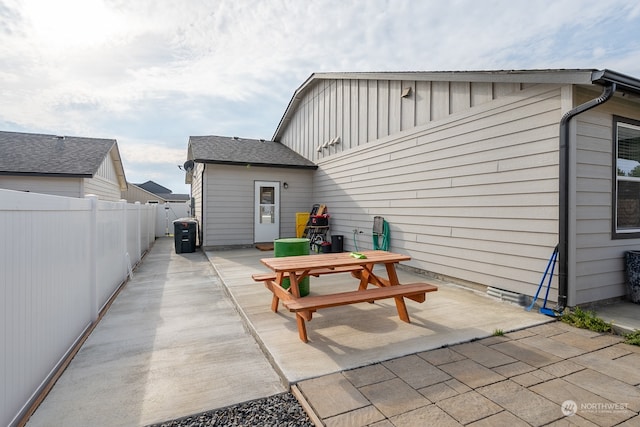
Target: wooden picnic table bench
[261,277]
[297,267]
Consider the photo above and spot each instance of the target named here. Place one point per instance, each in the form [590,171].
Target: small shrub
[498,333]
[586,320]
[632,338]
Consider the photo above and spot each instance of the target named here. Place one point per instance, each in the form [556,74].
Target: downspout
[563,220]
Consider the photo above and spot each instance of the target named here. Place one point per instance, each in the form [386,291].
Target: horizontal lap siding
[473,196]
[68,187]
[599,267]
[104,189]
[230,203]
[104,183]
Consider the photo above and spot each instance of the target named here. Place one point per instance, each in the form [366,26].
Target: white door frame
[266,223]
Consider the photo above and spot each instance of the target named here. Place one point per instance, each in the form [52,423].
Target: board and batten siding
[599,259]
[359,111]
[472,196]
[229,201]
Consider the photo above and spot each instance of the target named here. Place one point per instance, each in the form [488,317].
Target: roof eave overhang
[117,162]
[47,174]
[293,105]
[259,165]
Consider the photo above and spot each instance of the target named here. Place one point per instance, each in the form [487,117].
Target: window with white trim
[627,183]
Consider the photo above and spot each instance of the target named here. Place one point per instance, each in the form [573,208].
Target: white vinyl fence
[61,259]
[169,212]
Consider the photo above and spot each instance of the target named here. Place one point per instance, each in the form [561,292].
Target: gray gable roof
[38,154]
[174,197]
[163,192]
[154,187]
[239,151]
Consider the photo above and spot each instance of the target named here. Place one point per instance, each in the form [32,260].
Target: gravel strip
[279,410]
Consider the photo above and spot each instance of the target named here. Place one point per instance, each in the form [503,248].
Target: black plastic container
[184,235]
[337,243]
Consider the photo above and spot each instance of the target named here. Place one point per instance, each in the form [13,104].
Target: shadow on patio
[346,337]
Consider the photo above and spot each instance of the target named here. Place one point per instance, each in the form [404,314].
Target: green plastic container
[293,247]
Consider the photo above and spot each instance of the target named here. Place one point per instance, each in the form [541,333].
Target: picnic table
[295,268]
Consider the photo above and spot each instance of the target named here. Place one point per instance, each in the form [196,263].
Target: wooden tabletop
[330,260]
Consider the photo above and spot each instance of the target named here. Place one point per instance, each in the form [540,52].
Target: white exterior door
[267,207]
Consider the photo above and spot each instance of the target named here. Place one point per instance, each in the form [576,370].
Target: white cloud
[161,70]
[155,161]
[154,152]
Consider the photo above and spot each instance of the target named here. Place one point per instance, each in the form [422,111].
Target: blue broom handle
[554,256]
[546,270]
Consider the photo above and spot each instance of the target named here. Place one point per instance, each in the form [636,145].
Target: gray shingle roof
[240,151]
[174,197]
[154,187]
[164,192]
[38,154]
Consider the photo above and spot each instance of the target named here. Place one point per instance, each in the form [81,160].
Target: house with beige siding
[61,165]
[480,175]
[152,192]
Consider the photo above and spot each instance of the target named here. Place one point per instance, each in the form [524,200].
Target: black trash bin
[337,243]
[184,235]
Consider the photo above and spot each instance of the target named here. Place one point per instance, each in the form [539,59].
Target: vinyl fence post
[93,258]
[124,239]
[138,232]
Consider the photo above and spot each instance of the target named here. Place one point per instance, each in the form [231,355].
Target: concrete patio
[346,337]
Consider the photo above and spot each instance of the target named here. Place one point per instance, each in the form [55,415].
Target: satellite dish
[188,165]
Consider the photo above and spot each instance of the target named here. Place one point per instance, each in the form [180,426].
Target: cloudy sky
[150,73]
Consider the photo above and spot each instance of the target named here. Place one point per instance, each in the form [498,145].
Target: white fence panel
[111,264]
[131,224]
[61,259]
[145,229]
[169,212]
[150,223]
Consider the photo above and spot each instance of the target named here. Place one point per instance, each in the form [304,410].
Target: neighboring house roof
[162,192]
[154,187]
[174,197]
[561,76]
[239,151]
[50,155]
[135,193]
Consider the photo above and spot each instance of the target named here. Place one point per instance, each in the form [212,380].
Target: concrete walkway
[181,339]
[171,345]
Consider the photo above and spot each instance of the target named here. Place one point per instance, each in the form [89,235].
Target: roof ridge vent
[59,136]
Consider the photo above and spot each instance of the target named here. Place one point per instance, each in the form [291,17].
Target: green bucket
[293,247]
